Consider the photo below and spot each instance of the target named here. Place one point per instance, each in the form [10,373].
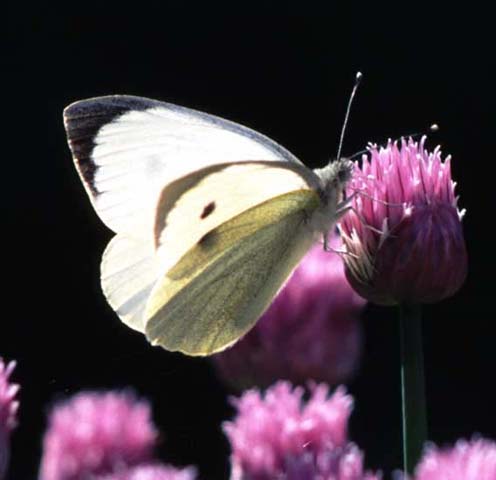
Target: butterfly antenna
[414,136]
[358,78]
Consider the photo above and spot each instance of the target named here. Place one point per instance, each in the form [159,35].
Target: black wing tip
[85,118]
[109,105]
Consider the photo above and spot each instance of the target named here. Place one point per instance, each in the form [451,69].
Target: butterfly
[210,216]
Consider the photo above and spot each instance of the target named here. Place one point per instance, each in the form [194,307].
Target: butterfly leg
[328,248]
[382,202]
[343,208]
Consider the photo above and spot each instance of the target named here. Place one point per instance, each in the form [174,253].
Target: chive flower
[8,412]
[467,460]
[278,435]
[97,433]
[152,472]
[404,235]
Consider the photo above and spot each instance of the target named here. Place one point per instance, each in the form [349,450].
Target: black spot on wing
[84,119]
[207,210]
[208,240]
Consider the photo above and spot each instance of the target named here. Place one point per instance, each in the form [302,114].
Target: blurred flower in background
[277,435]
[152,472]
[311,330]
[475,460]
[8,413]
[407,194]
[102,435]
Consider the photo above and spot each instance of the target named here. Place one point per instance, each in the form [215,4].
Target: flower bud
[404,235]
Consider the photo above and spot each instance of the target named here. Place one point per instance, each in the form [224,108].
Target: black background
[286,70]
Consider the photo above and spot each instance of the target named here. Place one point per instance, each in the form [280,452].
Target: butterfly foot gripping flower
[277,436]
[8,411]
[404,234]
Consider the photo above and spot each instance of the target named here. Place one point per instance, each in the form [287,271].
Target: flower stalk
[412,385]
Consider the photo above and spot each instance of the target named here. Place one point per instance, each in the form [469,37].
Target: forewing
[191,207]
[220,287]
[127,148]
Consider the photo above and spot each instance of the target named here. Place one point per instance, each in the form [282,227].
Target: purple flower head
[475,460]
[152,472]
[406,194]
[278,436]
[311,330]
[8,412]
[96,433]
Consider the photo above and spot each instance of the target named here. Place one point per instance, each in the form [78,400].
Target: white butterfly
[210,216]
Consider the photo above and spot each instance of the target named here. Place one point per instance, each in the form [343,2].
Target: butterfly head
[333,181]
[343,172]
[335,177]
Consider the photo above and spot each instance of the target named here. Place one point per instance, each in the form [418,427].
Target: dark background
[285,70]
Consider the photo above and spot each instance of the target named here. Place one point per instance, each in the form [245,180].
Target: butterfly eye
[342,176]
[208,209]
[345,171]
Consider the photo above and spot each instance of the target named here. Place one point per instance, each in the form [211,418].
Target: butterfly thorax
[333,180]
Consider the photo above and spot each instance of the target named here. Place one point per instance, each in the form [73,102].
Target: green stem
[412,385]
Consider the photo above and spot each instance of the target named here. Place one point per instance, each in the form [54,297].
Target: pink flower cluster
[8,412]
[475,460]
[276,435]
[152,472]
[311,330]
[108,435]
[404,234]
[8,403]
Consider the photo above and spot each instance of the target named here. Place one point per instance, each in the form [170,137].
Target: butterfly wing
[200,202]
[187,210]
[216,292]
[127,148]
[128,271]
